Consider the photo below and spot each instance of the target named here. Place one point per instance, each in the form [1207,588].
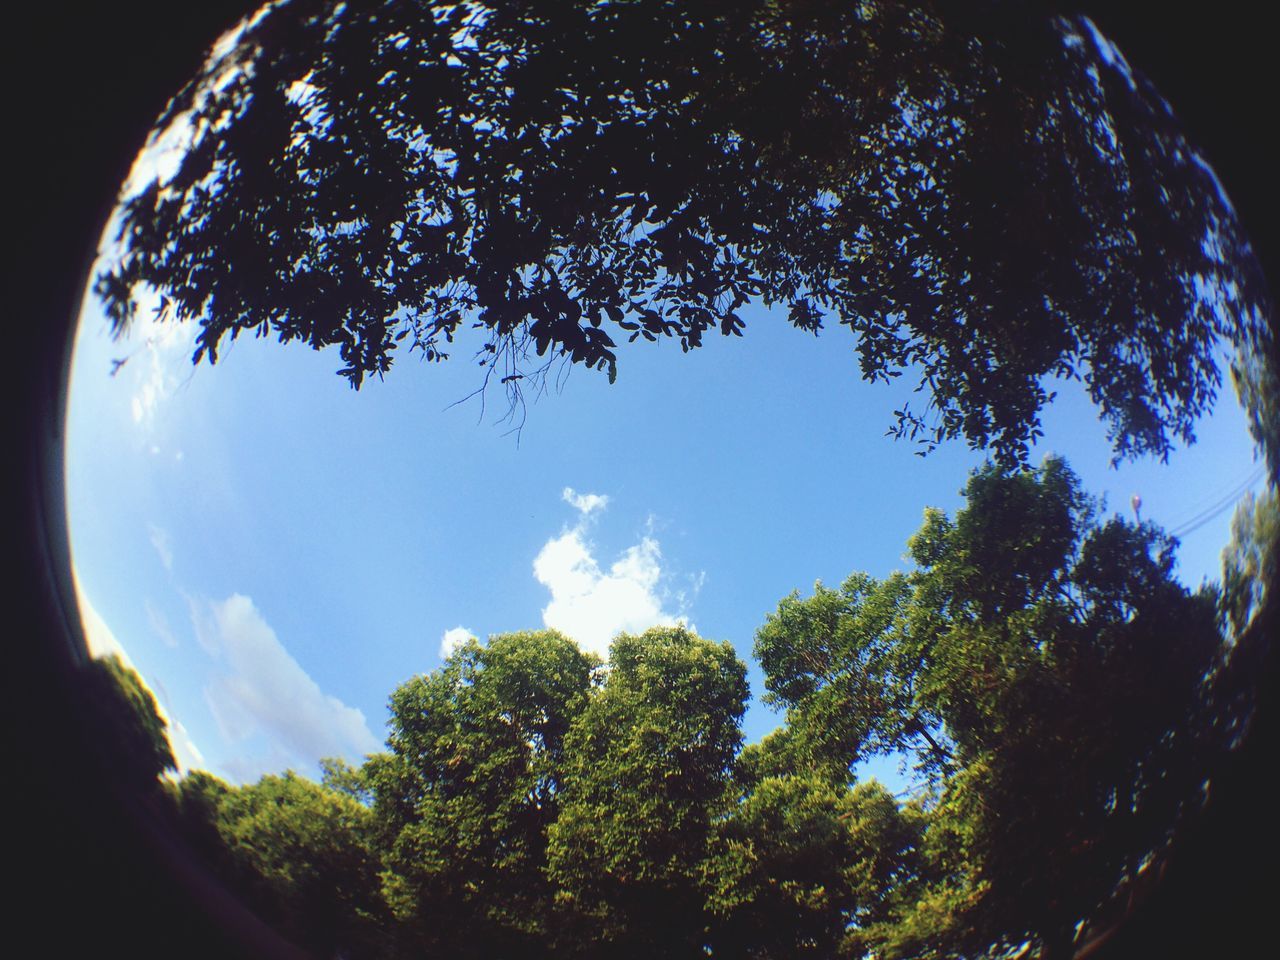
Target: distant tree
[1044,667]
[646,770]
[800,861]
[194,804]
[1256,377]
[832,660]
[982,193]
[1251,561]
[1250,570]
[471,785]
[125,724]
[298,854]
[354,782]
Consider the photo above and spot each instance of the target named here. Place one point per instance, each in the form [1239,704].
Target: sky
[275,552]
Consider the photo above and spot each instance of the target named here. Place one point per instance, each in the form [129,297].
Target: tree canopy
[646,767]
[985,195]
[127,729]
[469,788]
[300,853]
[1043,667]
[1056,689]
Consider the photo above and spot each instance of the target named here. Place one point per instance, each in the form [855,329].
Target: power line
[1218,507]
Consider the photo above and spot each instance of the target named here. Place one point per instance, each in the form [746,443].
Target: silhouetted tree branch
[985,196]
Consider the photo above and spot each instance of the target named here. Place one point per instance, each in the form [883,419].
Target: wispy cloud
[154,360]
[100,638]
[161,543]
[185,751]
[584,503]
[160,625]
[267,693]
[591,604]
[165,355]
[451,640]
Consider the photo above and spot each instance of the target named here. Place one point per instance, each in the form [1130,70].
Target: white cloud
[161,156]
[163,547]
[202,621]
[99,637]
[453,639]
[160,624]
[585,503]
[593,605]
[268,693]
[685,597]
[250,769]
[185,751]
[161,360]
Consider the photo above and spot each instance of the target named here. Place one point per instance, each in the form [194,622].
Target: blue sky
[275,552]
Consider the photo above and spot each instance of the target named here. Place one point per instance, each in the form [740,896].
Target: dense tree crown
[125,723]
[1041,665]
[1057,690]
[984,195]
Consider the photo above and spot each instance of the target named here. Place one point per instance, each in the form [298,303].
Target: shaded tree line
[1055,689]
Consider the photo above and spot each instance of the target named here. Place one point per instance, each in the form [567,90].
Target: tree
[127,729]
[1256,377]
[646,768]
[470,788]
[1045,668]
[298,854]
[1249,561]
[1071,669]
[310,849]
[1248,612]
[800,861]
[983,194]
[194,805]
[831,660]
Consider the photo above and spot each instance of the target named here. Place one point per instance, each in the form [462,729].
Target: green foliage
[298,853]
[800,861]
[1248,613]
[1040,664]
[312,848]
[354,782]
[471,785]
[982,194]
[646,767]
[126,726]
[1250,561]
[194,803]
[1255,374]
[1044,668]
[1071,675]
[830,659]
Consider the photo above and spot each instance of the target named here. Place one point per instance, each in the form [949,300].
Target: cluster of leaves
[1051,681]
[984,195]
[129,734]
[1046,672]
[1250,571]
